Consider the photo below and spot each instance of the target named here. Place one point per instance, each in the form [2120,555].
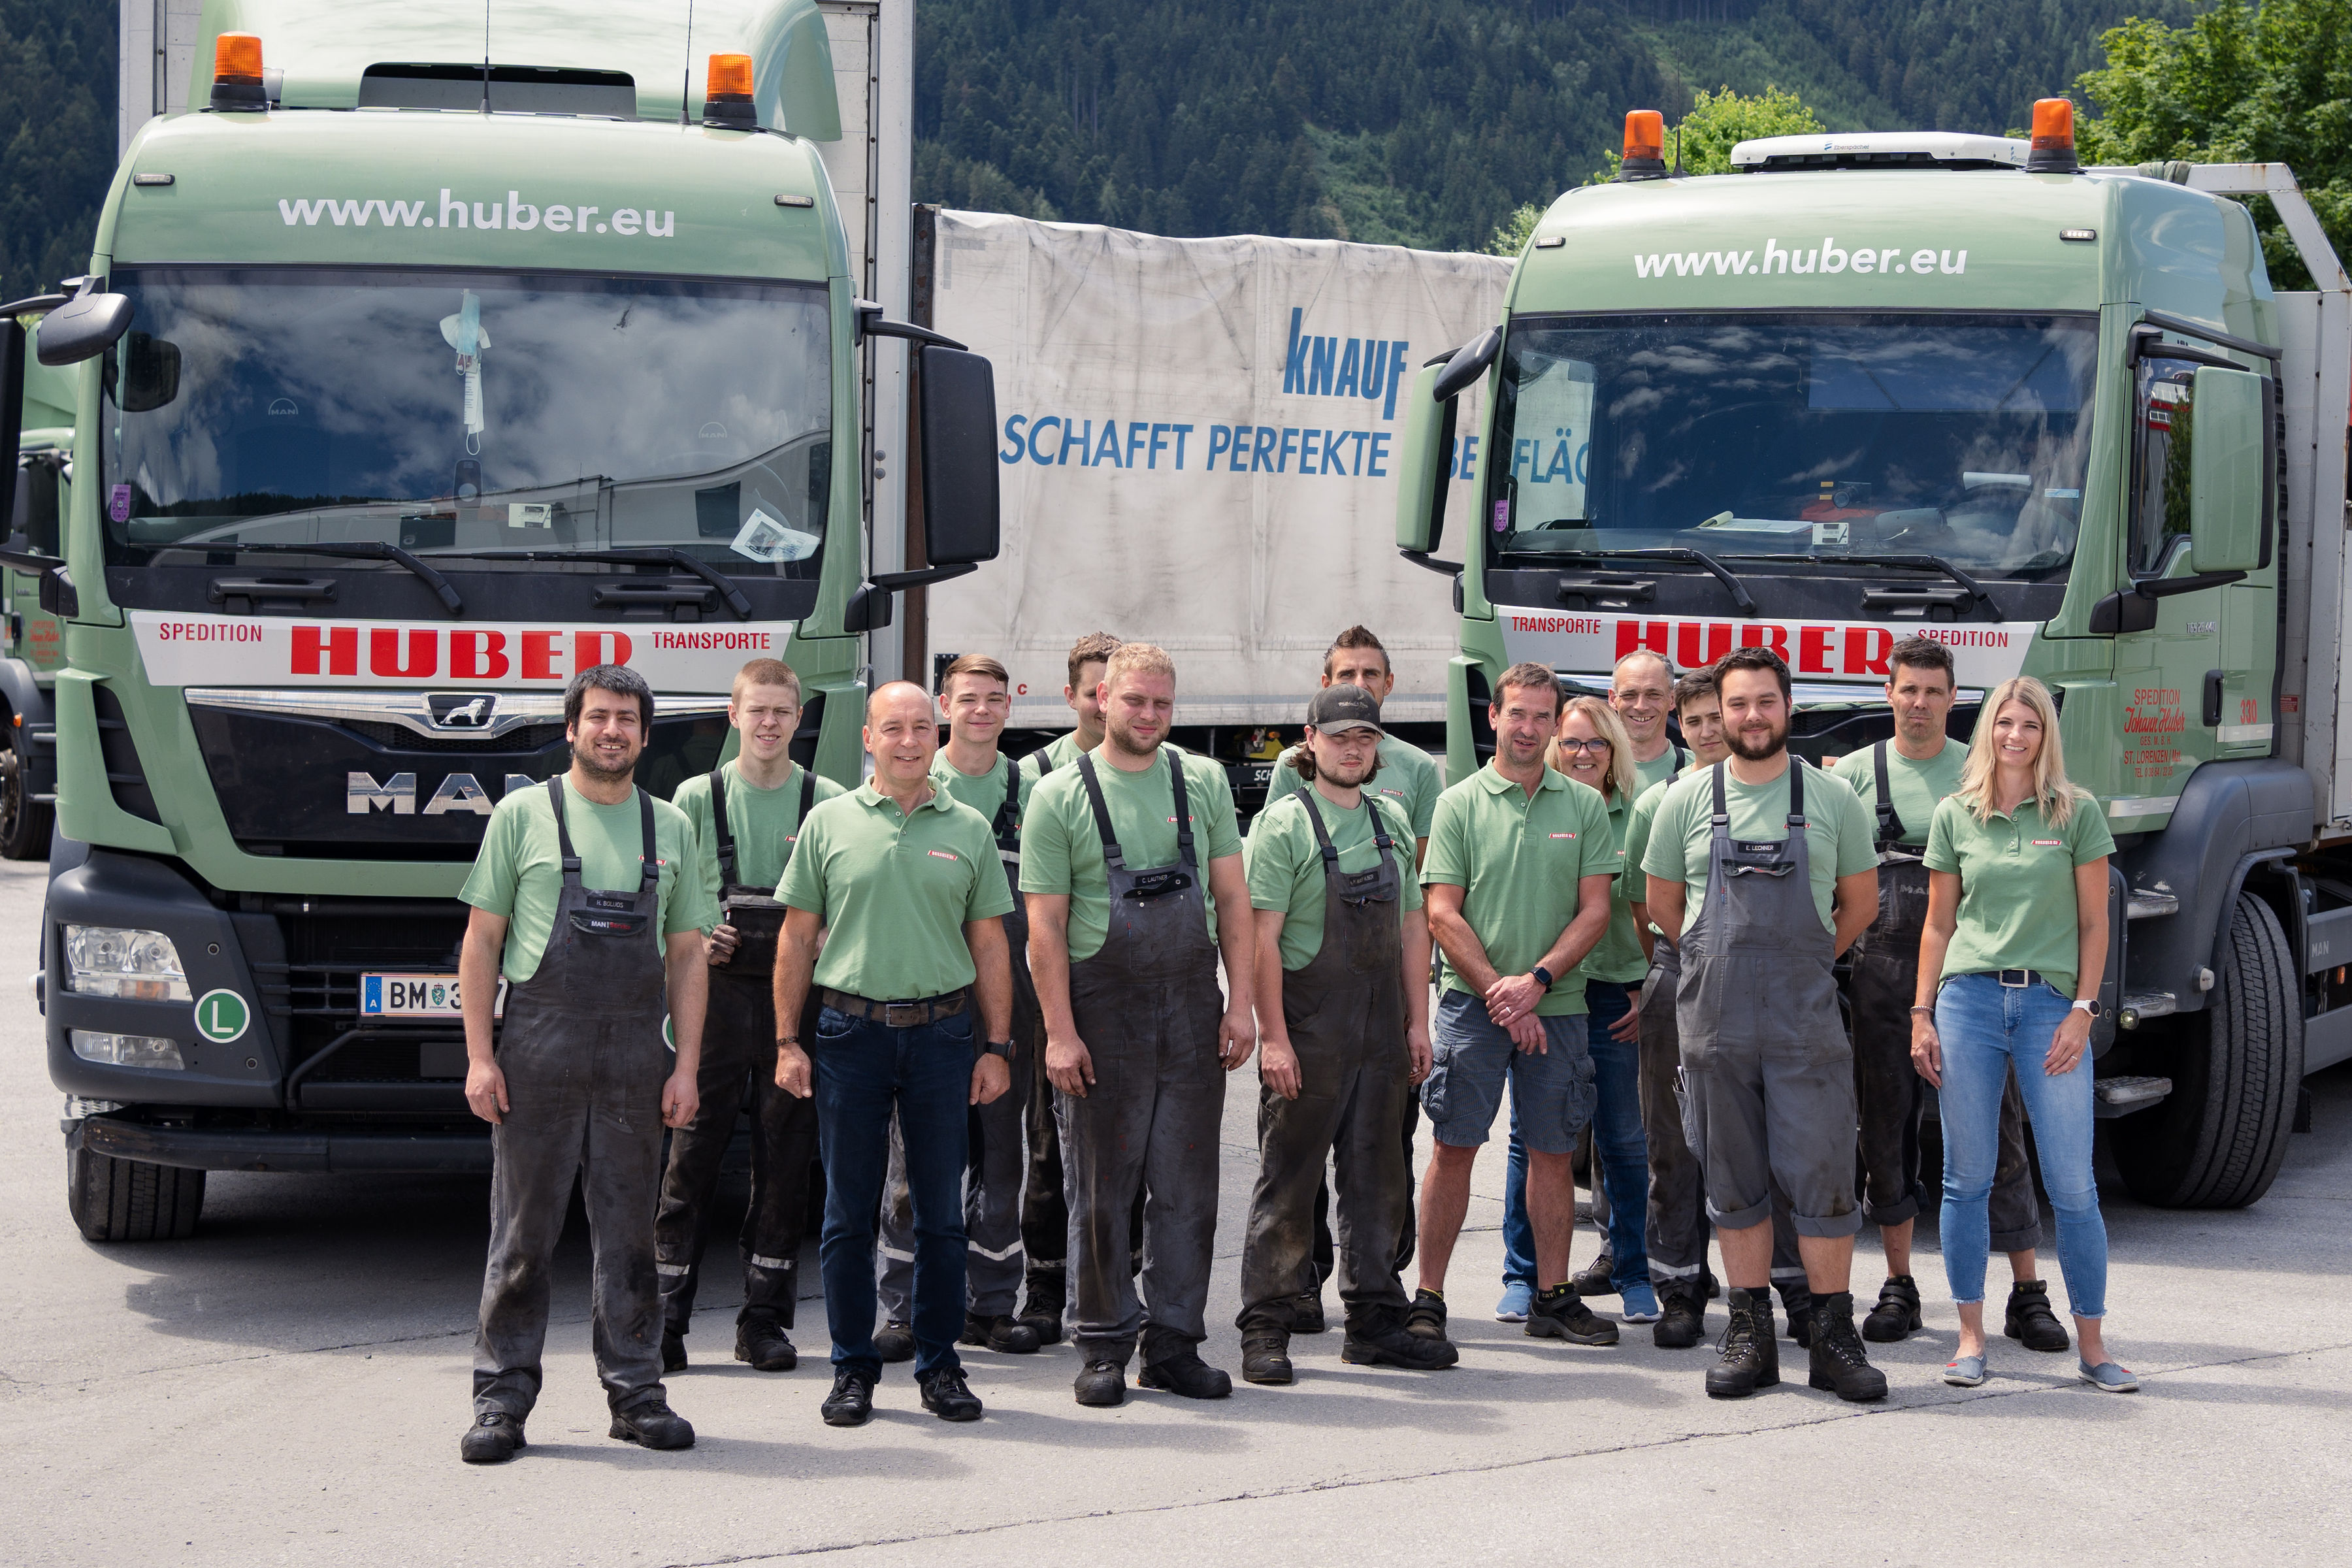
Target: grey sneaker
[2107,1377]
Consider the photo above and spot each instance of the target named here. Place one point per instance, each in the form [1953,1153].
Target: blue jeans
[1984,1025]
[1618,1145]
[864,1070]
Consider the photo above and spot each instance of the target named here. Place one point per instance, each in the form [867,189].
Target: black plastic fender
[2231,816]
[28,701]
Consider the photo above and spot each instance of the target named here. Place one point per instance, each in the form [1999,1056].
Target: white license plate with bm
[390,995]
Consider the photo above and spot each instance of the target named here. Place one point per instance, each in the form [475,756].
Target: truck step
[2122,1096]
[2143,1005]
[2145,905]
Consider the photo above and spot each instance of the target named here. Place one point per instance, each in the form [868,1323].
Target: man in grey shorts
[1761,870]
[1517,876]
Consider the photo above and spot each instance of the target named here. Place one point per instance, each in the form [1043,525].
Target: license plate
[389,996]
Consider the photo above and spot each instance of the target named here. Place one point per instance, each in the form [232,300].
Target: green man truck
[1869,386]
[434,354]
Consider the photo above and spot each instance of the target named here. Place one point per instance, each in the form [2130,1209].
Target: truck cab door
[2196,651]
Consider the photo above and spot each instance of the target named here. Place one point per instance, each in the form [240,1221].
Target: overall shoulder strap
[648,845]
[808,803]
[1183,810]
[1682,756]
[1890,822]
[1102,813]
[1322,837]
[1796,792]
[1722,811]
[726,840]
[1010,808]
[562,833]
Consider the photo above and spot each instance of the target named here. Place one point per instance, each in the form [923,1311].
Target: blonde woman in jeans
[2015,944]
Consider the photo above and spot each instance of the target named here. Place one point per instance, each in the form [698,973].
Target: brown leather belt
[896,1014]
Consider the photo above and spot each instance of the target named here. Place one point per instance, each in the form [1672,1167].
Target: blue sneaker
[2107,1377]
[1640,1303]
[1517,1297]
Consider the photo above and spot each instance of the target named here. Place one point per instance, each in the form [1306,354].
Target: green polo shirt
[1408,776]
[1517,860]
[519,871]
[1061,850]
[1285,864]
[1061,751]
[1916,786]
[984,792]
[1661,768]
[1838,832]
[894,890]
[2017,886]
[1617,956]
[764,821]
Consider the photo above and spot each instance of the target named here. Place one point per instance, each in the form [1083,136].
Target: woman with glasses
[1591,747]
[2010,965]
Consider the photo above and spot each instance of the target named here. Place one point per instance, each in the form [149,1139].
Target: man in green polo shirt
[1520,862]
[1121,857]
[741,847]
[905,884]
[586,898]
[1920,766]
[1642,692]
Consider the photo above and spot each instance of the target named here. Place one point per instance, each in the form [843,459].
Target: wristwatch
[2090,1006]
[999,1048]
[1543,976]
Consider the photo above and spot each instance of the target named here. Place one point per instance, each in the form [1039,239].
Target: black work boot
[1426,1316]
[1307,1313]
[851,1401]
[1683,1319]
[1796,1300]
[1101,1383]
[1897,1316]
[1747,1357]
[1379,1339]
[1010,1335]
[1173,1365]
[895,1341]
[763,1343]
[1560,1313]
[1840,1367]
[492,1439]
[2030,1320]
[1595,1279]
[948,1396]
[1041,1314]
[673,1351]
[651,1424]
[1266,1355]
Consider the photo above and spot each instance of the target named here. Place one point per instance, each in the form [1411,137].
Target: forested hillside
[57,123]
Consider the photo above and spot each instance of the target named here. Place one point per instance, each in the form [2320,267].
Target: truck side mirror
[957,415]
[85,325]
[1423,464]
[2229,452]
[145,375]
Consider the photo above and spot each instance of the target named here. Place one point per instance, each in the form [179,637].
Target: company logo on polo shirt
[1563,836]
[940,854]
[2049,843]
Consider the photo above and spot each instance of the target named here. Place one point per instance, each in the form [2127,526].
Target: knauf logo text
[1827,258]
[512,215]
[1370,368]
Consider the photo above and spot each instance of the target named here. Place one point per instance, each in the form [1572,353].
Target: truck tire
[24,822]
[2216,1141]
[130,1200]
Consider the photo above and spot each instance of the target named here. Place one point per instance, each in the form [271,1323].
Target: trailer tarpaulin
[1199,441]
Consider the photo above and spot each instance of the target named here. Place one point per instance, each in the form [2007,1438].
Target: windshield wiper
[357,551]
[642,555]
[1921,562]
[1722,573]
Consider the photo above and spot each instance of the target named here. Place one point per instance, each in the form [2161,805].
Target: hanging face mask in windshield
[464,332]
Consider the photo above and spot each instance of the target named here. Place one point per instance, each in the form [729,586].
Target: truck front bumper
[262,1148]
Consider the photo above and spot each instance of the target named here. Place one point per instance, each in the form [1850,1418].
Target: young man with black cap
[905,885]
[746,813]
[586,900]
[1343,1029]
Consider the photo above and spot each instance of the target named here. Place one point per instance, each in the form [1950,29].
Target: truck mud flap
[261,1149]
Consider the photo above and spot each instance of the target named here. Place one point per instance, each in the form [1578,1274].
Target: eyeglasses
[1581,746]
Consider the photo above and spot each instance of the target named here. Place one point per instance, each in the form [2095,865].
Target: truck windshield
[469,412]
[1824,435]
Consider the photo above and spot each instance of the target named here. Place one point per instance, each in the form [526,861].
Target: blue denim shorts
[1472,1058]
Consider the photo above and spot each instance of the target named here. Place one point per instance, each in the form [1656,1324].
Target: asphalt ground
[290,1387]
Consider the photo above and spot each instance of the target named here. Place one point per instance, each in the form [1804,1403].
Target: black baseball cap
[1338,709]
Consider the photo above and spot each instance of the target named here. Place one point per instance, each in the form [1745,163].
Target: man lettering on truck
[746,816]
[1760,919]
[1124,945]
[1640,689]
[1900,782]
[586,898]
[1520,861]
[1410,777]
[1045,1206]
[976,697]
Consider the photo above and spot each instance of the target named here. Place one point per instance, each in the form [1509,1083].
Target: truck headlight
[110,960]
[128,1050]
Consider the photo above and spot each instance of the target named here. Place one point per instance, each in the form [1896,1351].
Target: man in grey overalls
[1138,1042]
[1343,1037]
[1767,1072]
[585,898]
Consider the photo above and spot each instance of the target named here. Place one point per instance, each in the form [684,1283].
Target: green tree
[2237,85]
[56,125]
[1721,121]
[1516,231]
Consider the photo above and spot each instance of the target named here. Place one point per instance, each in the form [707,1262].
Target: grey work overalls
[1148,1007]
[1881,983]
[739,1064]
[582,1051]
[995,1166]
[1345,1014]
[1769,1072]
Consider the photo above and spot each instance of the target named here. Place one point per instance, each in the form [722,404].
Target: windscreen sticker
[236,650]
[762,538]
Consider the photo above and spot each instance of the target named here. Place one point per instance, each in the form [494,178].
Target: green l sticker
[223,1017]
